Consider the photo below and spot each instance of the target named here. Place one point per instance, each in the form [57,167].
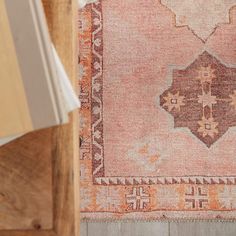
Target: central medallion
[202,97]
[200,16]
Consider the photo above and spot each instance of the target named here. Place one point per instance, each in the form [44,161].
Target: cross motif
[196,198]
[137,199]
[202,97]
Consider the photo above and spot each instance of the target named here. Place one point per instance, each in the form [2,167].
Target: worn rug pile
[158,116]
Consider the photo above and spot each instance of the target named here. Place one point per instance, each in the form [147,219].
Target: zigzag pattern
[164,180]
[97,95]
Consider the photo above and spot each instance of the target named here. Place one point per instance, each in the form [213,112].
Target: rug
[158,116]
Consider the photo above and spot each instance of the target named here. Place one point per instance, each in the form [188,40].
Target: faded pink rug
[158,116]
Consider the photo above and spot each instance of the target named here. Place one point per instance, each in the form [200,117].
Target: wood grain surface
[39,172]
[25,183]
[158,229]
[126,229]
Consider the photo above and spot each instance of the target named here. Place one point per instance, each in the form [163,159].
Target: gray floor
[158,229]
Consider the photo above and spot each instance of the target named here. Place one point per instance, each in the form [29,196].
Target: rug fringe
[179,220]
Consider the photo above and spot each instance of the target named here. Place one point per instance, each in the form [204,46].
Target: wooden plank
[62,21]
[105,229]
[145,229]
[83,229]
[25,183]
[63,144]
[203,229]
[128,229]
[27,233]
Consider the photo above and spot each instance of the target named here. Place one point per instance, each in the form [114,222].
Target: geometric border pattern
[97,92]
[164,180]
[99,177]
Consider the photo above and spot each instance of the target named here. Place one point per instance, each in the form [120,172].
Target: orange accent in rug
[158,116]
